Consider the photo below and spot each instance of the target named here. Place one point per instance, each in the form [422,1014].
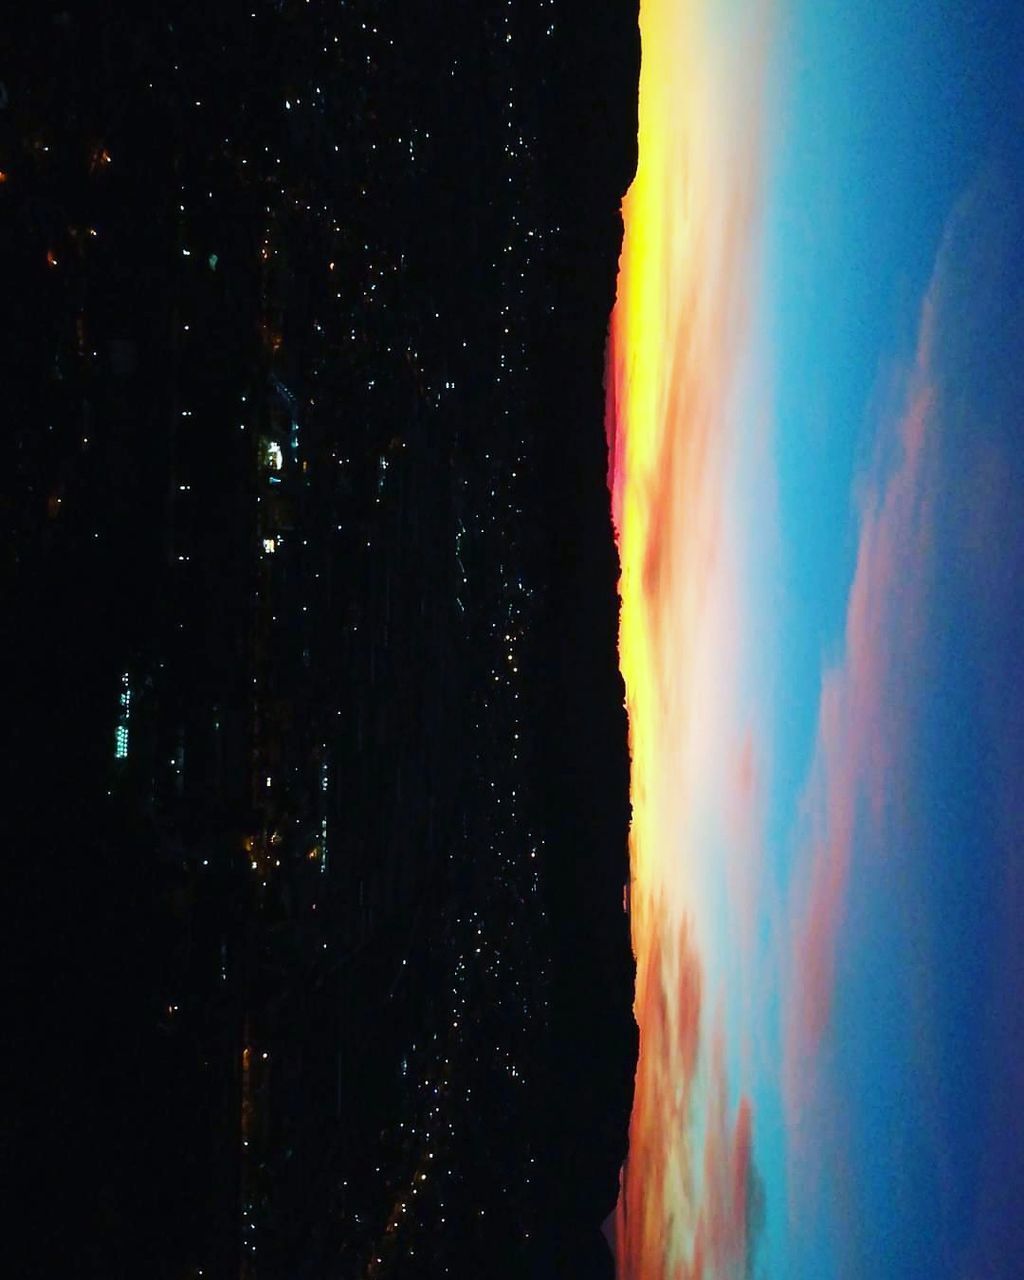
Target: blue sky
[818,492]
[891,120]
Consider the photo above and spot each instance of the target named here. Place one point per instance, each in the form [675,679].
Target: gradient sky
[818,474]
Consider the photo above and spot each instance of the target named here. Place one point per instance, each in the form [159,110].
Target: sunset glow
[677,356]
[813,409]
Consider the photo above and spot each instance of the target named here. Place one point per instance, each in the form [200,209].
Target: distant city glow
[124,715]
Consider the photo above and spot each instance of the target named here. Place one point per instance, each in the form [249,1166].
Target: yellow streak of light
[676,347]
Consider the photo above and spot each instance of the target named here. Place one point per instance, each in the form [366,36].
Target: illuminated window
[121,737]
[273,457]
[269,546]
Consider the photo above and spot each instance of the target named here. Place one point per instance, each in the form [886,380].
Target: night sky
[512,539]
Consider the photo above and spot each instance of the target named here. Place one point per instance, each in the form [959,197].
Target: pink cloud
[745,793]
[939,544]
[721,1245]
[863,712]
[645,1230]
[668,1012]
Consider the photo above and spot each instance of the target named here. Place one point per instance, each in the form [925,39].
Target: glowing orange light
[51,258]
[675,347]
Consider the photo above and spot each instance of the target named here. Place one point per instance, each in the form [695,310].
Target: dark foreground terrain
[317,765]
